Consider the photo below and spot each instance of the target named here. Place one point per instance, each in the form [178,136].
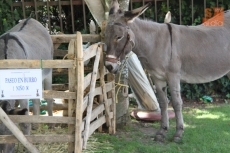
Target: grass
[207,130]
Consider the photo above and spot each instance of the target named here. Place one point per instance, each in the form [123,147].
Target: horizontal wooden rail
[41,119]
[36,64]
[50,94]
[65,38]
[60,87]
[39,138]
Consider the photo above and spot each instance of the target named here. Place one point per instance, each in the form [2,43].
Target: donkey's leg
[36,111]
[174,87]
[25,127]
[163,102]
[48,86]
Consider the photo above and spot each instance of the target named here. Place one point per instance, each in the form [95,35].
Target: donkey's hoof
[159,138]
[177,139]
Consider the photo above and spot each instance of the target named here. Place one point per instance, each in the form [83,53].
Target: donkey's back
[27,40]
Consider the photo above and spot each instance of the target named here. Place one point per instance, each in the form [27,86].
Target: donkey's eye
[119,38]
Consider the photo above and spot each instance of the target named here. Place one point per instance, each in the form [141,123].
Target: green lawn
[207,130]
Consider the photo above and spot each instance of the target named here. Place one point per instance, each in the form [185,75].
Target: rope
[119,78]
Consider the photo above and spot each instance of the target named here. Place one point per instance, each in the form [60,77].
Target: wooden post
[71,107]
[79,92]
[102,82]
[113,109]
[16,132]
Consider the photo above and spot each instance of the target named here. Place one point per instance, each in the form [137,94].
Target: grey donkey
[29,39]
[170,53]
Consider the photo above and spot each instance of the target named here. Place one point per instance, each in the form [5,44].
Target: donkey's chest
[155,69]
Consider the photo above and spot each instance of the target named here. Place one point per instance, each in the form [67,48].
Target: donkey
[29,40]
[170,53]
[6,106]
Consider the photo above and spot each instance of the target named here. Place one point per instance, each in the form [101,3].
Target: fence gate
[91,100]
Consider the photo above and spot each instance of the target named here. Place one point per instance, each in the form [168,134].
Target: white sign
[21,84]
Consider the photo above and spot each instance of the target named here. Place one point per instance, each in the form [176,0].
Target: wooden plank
[88,78]
[60,71]
[90,52]
[91,97]
[96,124]
[113,108]
[16,132]
[41,119]
[85,102]
[65,38]
[79,93]
[104,92]
[60,87]
[98,90]
[50,94]
[99,109]
[71,104]
[36,64]
[39,138]
[55,107]
[59,52]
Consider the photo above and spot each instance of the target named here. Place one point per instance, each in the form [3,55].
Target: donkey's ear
[114,7]
[131,15]
[167,17]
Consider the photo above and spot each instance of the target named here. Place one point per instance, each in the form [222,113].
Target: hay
[47,147]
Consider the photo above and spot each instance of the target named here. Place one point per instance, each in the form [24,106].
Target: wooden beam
[41,119]
[71,102]
[60,87]
[39,138]
[91,97]
[15,63]
[58,39]
[50,94]
[55,107]
[79,93]
[16,132]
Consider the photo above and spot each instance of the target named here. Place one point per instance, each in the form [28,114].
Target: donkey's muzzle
[111,67]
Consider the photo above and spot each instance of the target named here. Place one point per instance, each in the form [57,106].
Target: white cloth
[140,84]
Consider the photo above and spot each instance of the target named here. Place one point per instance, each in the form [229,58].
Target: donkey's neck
[146,35]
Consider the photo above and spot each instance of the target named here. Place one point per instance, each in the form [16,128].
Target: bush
[7,18]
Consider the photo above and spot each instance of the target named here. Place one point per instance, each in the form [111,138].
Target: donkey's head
[119,38]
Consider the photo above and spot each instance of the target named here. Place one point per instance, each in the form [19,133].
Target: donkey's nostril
[109,67]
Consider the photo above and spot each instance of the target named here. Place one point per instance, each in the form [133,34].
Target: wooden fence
[83,116]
